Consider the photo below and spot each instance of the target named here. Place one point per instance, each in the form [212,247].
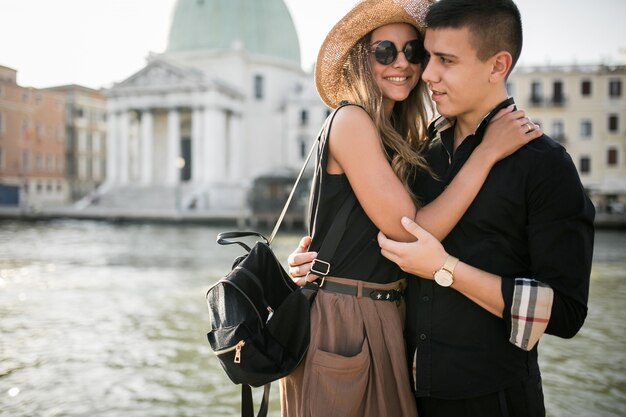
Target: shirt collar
[443,123]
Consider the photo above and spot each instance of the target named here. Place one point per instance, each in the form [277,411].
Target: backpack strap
[247,408]
[327,250]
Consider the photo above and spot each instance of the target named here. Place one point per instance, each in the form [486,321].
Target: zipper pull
[271,313]
[238,351]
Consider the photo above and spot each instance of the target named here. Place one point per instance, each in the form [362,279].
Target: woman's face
[397,79]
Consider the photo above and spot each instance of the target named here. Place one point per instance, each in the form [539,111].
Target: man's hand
[300,262]
[422,257]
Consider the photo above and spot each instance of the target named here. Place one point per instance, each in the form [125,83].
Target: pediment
[162,75]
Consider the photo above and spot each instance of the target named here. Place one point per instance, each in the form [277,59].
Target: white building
[201,120]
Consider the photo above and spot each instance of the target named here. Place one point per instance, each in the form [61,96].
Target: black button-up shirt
[531,219]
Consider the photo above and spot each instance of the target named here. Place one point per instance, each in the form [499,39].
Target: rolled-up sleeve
[560,232]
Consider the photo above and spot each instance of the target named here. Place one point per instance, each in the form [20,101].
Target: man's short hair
[495,25]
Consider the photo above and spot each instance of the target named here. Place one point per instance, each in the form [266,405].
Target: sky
[96,43]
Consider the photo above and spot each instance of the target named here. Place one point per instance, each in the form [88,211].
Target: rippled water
[109,320]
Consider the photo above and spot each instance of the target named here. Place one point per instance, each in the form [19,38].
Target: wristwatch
[445,275]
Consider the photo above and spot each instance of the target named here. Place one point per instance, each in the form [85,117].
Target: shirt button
[425,298]
[422,336]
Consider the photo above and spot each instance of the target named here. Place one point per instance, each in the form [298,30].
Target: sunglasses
[386,52]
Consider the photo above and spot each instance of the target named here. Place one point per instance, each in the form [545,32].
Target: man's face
[458,80]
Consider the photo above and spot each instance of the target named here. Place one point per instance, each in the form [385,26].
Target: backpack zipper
[236,348]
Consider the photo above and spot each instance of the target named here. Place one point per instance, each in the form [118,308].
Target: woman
[356,363]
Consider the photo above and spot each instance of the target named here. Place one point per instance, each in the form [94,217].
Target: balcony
[557,101]
[535,101]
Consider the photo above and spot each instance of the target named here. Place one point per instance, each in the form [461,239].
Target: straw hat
[364,17]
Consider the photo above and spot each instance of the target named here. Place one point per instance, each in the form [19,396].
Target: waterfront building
[32,144]
[584,108]
[85,132]
[221,106]
[228,103]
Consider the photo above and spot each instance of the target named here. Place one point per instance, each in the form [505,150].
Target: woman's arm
[355,150]
[505,134]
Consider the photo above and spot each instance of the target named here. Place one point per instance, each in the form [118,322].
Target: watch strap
[450,264]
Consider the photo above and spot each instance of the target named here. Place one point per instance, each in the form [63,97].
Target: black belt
[373,293]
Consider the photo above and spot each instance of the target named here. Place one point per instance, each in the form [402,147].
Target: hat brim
[364,17]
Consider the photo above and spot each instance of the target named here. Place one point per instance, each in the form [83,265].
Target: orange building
[32,142]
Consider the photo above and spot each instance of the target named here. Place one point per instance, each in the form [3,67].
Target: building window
[303,148]
[613,123]
[39,130]
[536,96]
[615,88]
[25,161]
[558,132]
[304,118]
[39,162]
[611,157]
[557,93]
[585,128]
[25,96]
[2,123]
[25,128]
[585,88]
[1,160]
[585,165]
[258,87]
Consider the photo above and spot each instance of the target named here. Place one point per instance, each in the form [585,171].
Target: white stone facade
[206,122]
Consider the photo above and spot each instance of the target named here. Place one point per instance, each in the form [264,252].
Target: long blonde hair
[403,137]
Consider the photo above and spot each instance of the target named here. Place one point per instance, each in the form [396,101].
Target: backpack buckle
[315,271]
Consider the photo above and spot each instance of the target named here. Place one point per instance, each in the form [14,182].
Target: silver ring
[530,128]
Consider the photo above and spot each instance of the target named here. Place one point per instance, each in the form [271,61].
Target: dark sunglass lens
[385,52]
[414,52]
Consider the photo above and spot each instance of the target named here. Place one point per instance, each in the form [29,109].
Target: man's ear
[502,62]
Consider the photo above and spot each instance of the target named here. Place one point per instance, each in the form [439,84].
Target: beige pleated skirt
[356,364]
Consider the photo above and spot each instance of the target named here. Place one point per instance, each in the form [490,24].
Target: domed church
[225,103]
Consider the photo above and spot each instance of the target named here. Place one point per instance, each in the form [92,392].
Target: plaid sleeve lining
[530,312]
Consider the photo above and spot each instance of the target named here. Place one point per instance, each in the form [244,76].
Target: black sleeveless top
[358,254]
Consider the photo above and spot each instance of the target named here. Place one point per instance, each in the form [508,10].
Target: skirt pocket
[338,383]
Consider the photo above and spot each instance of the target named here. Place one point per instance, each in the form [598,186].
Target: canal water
[100,319]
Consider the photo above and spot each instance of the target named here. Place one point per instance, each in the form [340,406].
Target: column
[112,148]
[214,144]
[173,147]
[237,152]
[146,146]
[198,165]
[124,129]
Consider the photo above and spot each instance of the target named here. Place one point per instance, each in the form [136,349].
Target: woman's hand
[422,257]
[508,131]
[300,262]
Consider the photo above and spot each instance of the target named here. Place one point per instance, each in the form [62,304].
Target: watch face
[443,278]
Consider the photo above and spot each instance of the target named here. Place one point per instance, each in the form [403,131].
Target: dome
[260,26]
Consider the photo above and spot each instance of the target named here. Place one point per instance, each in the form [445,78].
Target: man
[472,334]
[525,244]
